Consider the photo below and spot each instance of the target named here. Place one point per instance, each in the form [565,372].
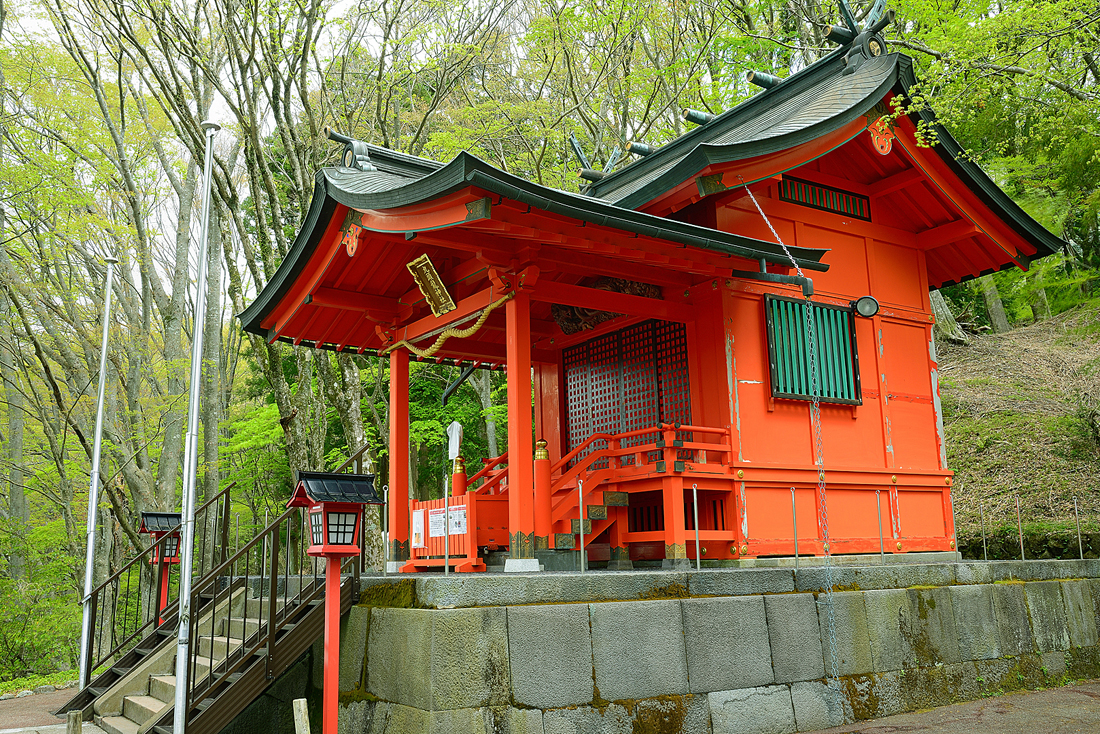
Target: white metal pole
[695,509]
[93,493]
[191,449]
[446,528]
[580,513]
[794,522]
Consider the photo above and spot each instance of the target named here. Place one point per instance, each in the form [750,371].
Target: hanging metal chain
[819,461]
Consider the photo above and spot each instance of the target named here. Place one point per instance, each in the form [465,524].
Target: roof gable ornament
[356,154]
[864,43]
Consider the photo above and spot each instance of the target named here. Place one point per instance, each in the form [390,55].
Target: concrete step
[118,725]
[217,647]
[257,607]
[240,628]
[141,708]
[163,687]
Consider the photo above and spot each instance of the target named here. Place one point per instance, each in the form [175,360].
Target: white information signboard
[435,522]
[418,529]
[458,520]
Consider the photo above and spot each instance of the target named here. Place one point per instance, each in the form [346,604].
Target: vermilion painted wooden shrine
[662,328]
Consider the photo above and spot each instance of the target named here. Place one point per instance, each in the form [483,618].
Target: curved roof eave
[977,181]
[359,190]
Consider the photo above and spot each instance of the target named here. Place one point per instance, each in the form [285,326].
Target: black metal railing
[126,607]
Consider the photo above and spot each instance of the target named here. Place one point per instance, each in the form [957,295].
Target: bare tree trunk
[211,360]
[946,326]
[485,395]
[993,304]
[13,454]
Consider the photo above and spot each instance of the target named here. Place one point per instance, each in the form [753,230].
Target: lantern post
[160,525]
[334,504]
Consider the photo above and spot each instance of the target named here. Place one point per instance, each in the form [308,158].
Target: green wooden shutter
[789,351]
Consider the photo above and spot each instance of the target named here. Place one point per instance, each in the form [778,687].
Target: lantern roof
[317,487]
[159,522]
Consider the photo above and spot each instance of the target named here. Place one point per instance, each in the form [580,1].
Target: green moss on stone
[670,591]
[400,594]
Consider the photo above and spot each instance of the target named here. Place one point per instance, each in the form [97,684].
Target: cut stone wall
[742,651]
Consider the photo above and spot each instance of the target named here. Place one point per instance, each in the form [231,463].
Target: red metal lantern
[166,554]
[334,503]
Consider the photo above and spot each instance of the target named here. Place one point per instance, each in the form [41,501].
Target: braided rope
[451,331]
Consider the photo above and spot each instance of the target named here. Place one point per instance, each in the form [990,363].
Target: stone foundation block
[741,582]
[467,720]
[853,643]
[1048,615]
[470,658]
[929,631]
[1013,627]
[975,621]
[974,573]
[509,720]
[816,706]
[875,695]
[638,649]
[794,636]
[686,714]
[401,656]
[1080,613]
[550,655]
[766,710]
[353,647]
[887,610]
[727,643]
[613,719]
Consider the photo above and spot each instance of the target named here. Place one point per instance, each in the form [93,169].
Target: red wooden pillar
[521,515]
[543,510]
[399,456]
[675,523]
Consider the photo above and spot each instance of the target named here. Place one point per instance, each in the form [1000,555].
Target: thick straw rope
[451,331]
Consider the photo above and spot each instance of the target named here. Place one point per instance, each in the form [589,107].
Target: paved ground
[1057,711]
[34,710]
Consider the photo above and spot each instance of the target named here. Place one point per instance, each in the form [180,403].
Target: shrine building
[659,319]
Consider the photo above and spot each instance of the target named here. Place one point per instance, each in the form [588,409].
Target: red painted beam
[353,301]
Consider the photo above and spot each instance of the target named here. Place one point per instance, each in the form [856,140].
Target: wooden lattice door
[627,380]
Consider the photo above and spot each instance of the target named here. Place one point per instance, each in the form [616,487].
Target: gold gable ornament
[431,285]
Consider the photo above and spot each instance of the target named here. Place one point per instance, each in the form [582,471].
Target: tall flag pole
[191,448]
[93,494]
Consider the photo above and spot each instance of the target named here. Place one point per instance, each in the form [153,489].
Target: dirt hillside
[1022,417]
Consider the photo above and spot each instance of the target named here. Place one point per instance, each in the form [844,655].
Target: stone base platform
[718,650]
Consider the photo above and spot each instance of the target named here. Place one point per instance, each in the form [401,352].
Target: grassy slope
[1016,414]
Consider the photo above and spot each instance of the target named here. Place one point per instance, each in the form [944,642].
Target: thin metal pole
[1020,528]
[954,528]
[237,534]
[385,518]
[981,517]
[1077,517]
[580,513]
[191,449]
[695,509]
[446,528]
[794,521]
[93,493]
[881,544]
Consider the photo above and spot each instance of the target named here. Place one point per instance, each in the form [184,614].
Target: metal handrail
[268,562]
[146,603]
